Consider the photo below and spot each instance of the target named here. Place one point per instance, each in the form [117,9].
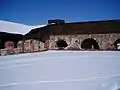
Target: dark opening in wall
[89,44]
[61,44]
[117,44]
[2,44]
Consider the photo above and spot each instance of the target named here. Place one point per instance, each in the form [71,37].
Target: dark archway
[89,44]
[116,44]
[61,44]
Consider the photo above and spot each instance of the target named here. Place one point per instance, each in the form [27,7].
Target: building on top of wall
[93,35]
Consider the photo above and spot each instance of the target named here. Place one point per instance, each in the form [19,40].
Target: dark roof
[92,27]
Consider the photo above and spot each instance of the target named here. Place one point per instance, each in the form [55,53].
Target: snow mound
[10,27]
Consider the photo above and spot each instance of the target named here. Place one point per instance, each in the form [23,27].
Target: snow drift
[11,27]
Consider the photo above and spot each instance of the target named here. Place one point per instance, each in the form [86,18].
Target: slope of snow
[11,27]
[61,70]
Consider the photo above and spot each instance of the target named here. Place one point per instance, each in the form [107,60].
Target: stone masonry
[105,41]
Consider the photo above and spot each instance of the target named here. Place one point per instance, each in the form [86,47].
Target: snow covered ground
[61,70]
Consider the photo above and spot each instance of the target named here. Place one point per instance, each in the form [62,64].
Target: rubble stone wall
[30,45]
[105,41]
[20,47]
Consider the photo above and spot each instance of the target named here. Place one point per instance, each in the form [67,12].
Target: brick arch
[89,43]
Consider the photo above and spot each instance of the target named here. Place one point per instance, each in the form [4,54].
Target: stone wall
[26,46]
[105,41]
[20,47]
[31,45]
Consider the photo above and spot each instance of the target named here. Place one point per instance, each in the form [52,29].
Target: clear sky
[34,12]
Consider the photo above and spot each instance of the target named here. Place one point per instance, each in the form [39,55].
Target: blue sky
[34,12]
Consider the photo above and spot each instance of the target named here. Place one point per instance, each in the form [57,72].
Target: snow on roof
[10,27]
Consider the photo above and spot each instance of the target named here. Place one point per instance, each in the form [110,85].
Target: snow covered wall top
[11,27]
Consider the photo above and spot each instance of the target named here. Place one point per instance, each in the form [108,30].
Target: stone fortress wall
[26,46]
[105,41]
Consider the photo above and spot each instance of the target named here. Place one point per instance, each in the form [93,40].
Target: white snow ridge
[10,27]
[61,70]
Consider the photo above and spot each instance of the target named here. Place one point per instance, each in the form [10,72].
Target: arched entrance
[117,44]
[61,44]
[89,44]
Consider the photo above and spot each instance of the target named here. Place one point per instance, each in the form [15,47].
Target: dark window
[89,44]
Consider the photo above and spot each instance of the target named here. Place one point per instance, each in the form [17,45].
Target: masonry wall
[26,46]
[105,41]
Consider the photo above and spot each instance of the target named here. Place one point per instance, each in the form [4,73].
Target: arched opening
[117,44]
[61,44]
[89,44]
